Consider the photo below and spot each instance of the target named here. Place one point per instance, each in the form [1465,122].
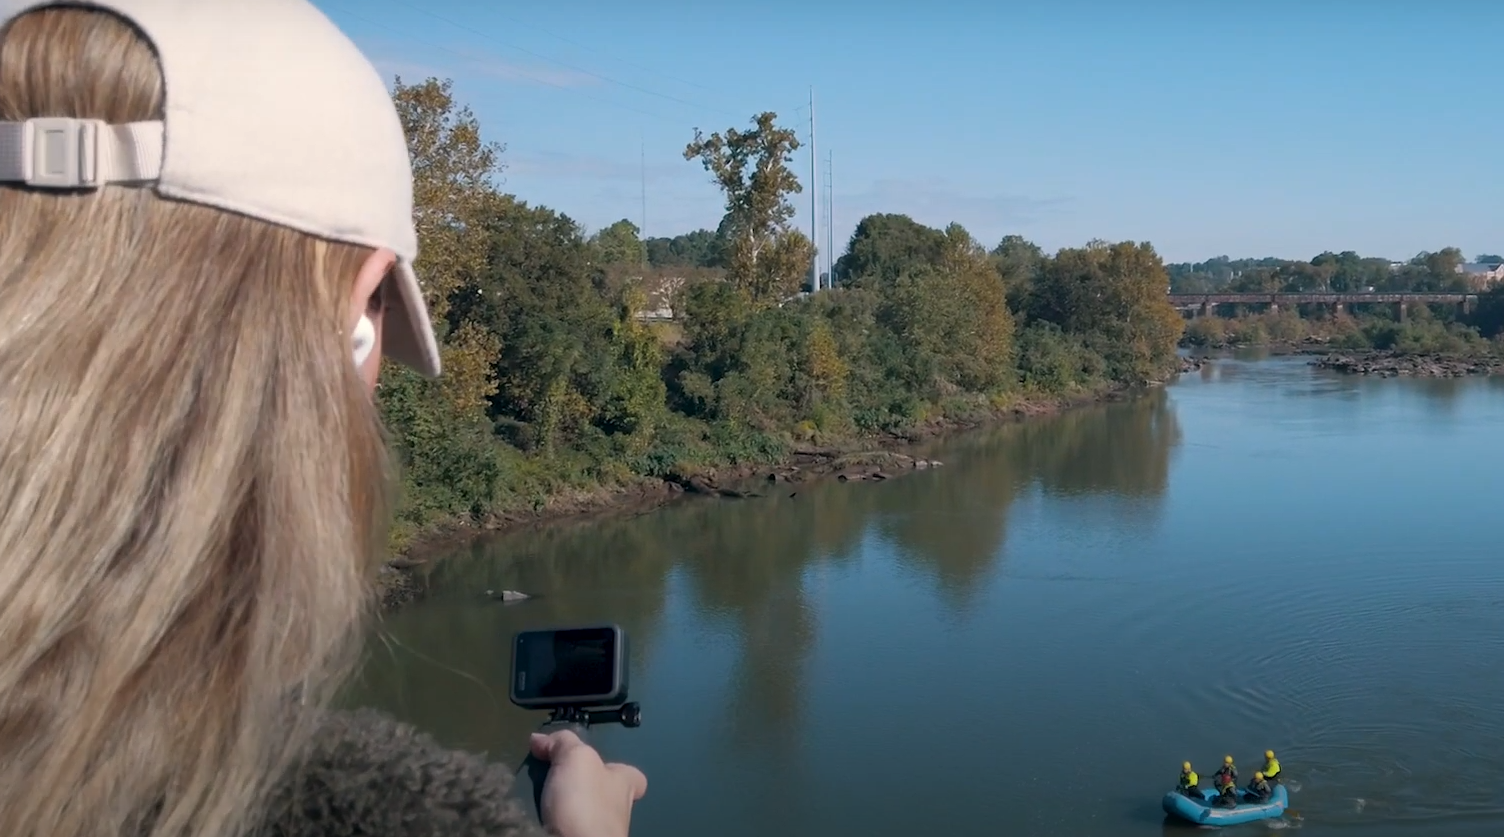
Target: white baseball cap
[272,113]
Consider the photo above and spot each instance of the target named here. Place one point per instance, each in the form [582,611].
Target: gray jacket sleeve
[372,776]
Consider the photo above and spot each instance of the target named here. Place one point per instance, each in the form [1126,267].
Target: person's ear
[373,271]
[366,301]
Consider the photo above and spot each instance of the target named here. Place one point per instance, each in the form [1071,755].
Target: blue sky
[1278,128]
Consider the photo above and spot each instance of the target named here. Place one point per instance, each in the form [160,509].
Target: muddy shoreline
[871,459]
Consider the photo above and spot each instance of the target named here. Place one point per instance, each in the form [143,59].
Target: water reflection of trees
[1120,450]
[1443,395]
[953,525]
[445,664]
[747,561]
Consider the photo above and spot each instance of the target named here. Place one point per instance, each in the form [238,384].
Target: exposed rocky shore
[1392,365]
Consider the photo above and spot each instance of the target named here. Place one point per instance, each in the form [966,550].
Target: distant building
[1480,276]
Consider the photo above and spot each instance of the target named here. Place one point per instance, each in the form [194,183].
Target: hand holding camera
[584,796]
[580,675]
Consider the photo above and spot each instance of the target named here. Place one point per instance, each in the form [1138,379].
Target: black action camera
[574,672]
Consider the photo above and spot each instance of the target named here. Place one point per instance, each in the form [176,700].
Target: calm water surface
[1031,639]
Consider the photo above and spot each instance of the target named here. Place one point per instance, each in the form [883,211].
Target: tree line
[1345,272]
[1425,329]
[557,382]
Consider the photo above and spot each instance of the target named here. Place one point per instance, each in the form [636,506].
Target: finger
[630,776]
[554,746]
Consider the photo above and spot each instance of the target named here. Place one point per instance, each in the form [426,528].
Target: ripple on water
[1376,674]
[1385,713]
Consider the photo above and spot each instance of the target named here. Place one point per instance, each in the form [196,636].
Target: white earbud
[363,340]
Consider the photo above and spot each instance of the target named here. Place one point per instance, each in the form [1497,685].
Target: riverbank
[866,459]
[1304,345]
[751,620]
[1422,365]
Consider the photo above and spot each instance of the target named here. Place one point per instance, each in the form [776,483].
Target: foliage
[555,383]
[620,244]
[1018,261]
[1050,360]
[454,173]
[1488,317]
[1260,328]
[1420,334]
[1346,272]
[1422,331]
[762,253]
[885,247]
[952,320]
[1112,296]
[700,248]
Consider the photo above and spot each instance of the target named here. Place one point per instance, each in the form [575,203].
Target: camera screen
[560,665]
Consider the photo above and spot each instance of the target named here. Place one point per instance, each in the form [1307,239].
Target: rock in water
[508,595]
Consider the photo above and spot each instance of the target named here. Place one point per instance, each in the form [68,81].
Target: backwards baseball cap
[272,113]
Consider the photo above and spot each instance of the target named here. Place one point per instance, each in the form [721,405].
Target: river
[1031,639]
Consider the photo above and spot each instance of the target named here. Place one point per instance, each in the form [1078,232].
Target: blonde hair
[192,479]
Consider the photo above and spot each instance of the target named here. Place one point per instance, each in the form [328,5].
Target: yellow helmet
[1268,754]
[1257,775]
[1227,759]
[1186,767]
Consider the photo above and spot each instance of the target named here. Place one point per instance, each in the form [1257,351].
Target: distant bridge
[1206,304]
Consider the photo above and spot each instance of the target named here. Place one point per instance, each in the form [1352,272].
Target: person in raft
[1227,791]
[1271,767]
[1259,788]
[1228,770]
[1190,783]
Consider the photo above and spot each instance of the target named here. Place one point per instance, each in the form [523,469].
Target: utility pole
[643,233]
[830,218]
[814,199]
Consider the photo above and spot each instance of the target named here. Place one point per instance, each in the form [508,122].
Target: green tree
[620,244]
[632,392]
[763,254]
[1018,261]
[954,320]
[824,369]
[438,429]
[555,381]
[699,248]
[1113,296]
[737,358]
[454,180]
[886,246]
[1488,258]
[1429,272]
[1488,317]
[1443,267]
[539,296]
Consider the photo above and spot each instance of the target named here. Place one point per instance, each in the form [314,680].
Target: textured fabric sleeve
[369,775]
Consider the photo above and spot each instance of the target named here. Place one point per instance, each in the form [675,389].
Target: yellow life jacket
[1271,768]
[1189,780]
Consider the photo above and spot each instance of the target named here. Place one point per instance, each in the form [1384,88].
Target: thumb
[551,747]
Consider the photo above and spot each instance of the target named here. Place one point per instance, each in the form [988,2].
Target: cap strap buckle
[66,153]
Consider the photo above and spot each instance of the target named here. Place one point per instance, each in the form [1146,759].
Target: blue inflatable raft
[1204,813]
